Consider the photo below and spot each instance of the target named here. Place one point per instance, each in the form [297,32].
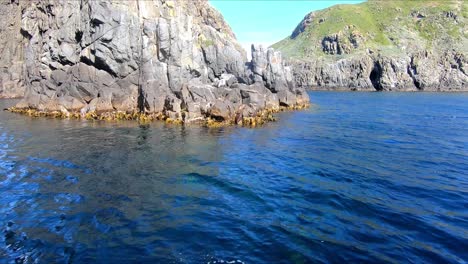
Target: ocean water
[358,178]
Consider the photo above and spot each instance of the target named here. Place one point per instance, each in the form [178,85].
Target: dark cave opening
[375,76]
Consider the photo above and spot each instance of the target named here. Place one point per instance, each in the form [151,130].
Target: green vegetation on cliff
[385,26]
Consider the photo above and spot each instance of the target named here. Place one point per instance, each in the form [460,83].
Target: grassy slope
[388,26]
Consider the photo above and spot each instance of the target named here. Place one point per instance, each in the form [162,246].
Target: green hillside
[384,26]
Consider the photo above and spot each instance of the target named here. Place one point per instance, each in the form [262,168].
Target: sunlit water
[360,177]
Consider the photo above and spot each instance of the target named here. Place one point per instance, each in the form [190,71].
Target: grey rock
[177,58]
[421,71]
[331,45]
[11,50]
[221,110]
[226,80]
[254,95]
[286,98]
[268,66]
[59,77]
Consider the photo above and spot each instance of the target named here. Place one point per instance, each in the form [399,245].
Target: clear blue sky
[267,22]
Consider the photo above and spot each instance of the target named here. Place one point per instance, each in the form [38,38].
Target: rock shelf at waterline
[257,119]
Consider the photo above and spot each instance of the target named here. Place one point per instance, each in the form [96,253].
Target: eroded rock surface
[11,50]
[175,59]
[421,71]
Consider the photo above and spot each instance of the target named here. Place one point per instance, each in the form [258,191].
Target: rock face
[416,72]
[383,46]
[176,59]
[11,50]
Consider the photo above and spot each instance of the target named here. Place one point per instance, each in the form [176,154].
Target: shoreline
[260,118]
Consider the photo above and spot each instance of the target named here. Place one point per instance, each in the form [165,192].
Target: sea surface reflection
[359,177]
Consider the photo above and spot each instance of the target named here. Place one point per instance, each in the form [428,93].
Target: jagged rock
[11,52]
[226,80]
[268,67]
[331,45]
[178,59]
[253,95]
[221,110]
[286,98]
[343,74]
[343,42]
[391,74]
[420,71]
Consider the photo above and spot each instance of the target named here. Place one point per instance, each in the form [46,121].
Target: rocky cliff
[174,60]
[11,51]
[382,45]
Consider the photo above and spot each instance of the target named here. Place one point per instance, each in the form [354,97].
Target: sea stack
[174,60]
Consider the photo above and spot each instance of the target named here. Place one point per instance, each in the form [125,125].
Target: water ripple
[360,177]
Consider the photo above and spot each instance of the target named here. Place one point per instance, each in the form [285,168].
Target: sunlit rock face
[175,58]
[419,71]
[11,50]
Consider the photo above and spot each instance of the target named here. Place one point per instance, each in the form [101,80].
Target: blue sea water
[358,178]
